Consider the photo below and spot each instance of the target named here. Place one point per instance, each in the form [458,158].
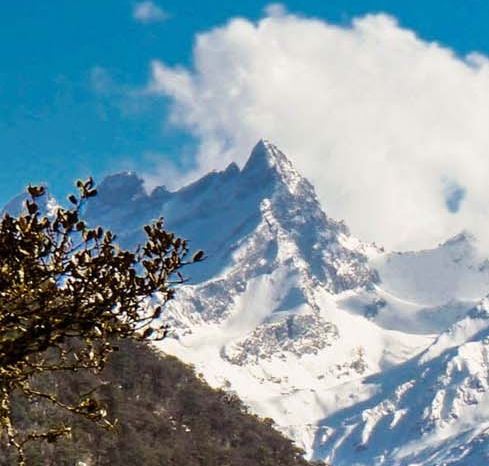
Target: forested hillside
[166,416]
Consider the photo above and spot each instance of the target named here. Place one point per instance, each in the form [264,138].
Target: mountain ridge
[311,326]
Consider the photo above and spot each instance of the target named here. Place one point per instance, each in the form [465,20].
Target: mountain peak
[17,205]
[122,185]
[267,163]
[464,237]
[265,155]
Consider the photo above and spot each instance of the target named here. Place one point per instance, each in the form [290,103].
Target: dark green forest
[166,415]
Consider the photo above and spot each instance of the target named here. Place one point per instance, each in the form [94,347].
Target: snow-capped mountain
[363,357]
[326,335]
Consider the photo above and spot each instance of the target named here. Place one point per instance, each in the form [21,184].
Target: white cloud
[275,9]
[148,12]
[386,125]
[163,170]
[101,80]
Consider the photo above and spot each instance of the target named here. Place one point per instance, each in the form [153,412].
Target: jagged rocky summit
[267,199]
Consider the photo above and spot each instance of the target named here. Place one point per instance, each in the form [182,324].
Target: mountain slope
[360,356]
[424,292]
[437,403]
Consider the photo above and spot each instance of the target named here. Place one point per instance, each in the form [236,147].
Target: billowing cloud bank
[392,130]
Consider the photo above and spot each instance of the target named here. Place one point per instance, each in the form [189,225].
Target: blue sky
[73,75]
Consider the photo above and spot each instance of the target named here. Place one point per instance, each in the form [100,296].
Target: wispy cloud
[130,101]
[275,9]
[148,12]
[100,80]
[379,119]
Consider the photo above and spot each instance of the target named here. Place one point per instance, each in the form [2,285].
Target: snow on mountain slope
[452,271]
[288,369]
[431,410]
[424,292]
